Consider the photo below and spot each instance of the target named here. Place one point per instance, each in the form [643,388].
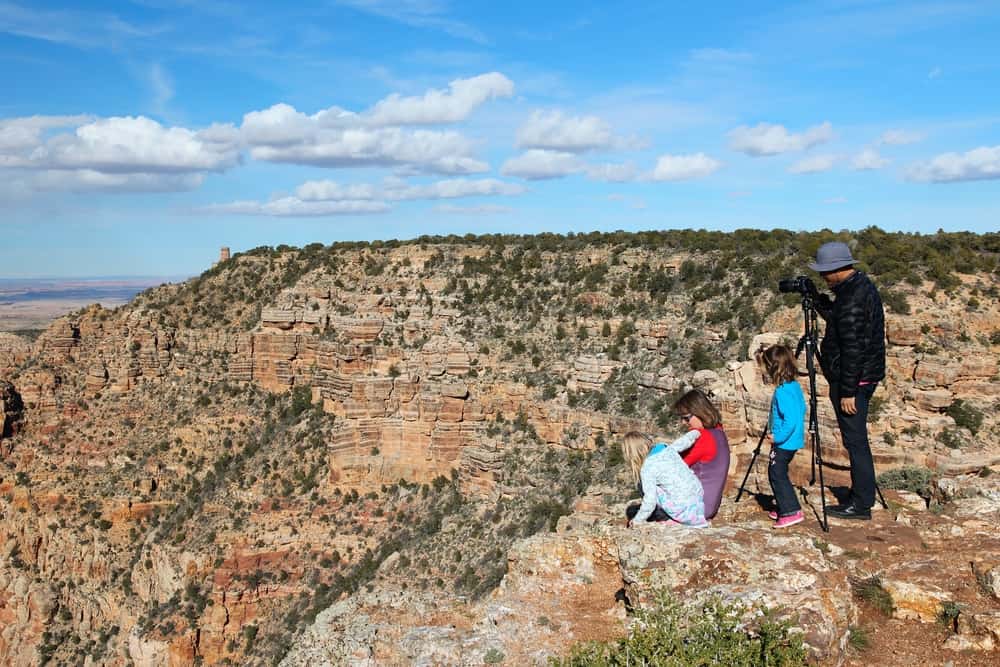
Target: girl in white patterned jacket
[667,483]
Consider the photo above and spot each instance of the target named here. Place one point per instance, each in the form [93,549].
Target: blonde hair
[696,403]
[635,447]
[778,362]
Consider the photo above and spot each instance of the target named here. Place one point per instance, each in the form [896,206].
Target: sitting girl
[788,411]
[709,457]
[668,485]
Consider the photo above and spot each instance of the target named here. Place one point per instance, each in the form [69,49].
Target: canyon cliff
[396,453]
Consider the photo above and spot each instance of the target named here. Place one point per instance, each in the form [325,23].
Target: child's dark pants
[777,474]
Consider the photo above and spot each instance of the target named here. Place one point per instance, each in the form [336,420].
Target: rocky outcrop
[13,351]
[60,340]
[565,588]
[783,572]
[590,373]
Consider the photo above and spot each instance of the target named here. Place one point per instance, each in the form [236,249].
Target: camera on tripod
[801,284]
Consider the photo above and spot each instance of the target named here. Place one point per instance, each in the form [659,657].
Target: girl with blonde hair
[670,491]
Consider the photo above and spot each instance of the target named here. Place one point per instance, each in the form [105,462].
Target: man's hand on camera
[848,406]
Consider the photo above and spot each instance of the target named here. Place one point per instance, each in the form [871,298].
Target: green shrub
[870,590]
[948,615]
[713,634]
[896,301]
[965,415]
[700,358]
[858,638]
[909,478]
[875,407]
[952,438]
[301,399]
[493,657]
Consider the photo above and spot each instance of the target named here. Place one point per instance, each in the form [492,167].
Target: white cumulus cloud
[768,139]
[136,153]
[440,152]
[684,167]
[538,164]
[442,106]
[130,145]
[552,130]
[18,134]
[380,136]
[117,154]
[278,125]
[979,164]
[813,165]
[868,159]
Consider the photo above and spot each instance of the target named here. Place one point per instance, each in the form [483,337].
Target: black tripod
[809,342]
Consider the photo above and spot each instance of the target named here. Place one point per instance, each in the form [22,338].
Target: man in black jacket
[852,356]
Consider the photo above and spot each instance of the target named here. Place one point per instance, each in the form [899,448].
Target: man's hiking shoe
[850,512]
[790,520]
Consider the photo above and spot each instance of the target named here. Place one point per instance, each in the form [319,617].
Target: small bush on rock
[715,633]
[966,415]
[909,478]
[871,590]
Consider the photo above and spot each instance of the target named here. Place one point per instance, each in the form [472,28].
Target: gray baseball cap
[832,256]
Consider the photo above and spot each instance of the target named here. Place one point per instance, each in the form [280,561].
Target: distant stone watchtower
[223,254]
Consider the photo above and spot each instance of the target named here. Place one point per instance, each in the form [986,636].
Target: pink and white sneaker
[790,520]
[773,516]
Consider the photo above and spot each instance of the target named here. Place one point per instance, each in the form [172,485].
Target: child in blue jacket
[787,427]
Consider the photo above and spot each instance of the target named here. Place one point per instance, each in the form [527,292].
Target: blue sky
[136,138]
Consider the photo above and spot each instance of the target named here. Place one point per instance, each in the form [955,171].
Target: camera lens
[788,285]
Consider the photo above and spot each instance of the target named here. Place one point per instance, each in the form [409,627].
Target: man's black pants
[854,433]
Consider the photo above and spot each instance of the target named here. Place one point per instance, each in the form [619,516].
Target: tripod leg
[753,459]
[812,475]
[881,498]
[822,493]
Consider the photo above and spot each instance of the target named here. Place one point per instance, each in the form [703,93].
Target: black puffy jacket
[853,348]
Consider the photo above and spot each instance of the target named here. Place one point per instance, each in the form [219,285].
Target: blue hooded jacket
[788,414]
